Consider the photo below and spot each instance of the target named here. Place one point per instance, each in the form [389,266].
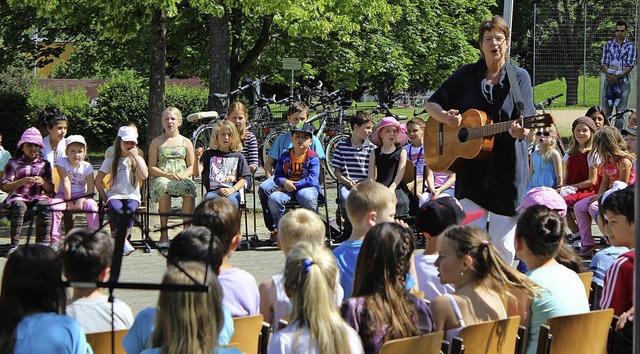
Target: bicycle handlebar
[548,101]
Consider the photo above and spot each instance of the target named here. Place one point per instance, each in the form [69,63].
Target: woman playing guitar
[497,183]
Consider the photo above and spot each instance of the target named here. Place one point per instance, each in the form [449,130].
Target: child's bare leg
[188,203]
[164,206]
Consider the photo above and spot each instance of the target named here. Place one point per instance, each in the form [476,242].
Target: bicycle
[619,119]
[201,137]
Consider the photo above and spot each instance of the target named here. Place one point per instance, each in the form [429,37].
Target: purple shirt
[240,292]
[357,316]
[18,168]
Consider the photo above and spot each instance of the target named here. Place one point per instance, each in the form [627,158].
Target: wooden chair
[246,333]
[426,344]
[410,175]
[101,342]
[496,337]
[576,334]
[586,278]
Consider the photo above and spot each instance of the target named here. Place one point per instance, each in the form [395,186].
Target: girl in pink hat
[388,161]
[27,179]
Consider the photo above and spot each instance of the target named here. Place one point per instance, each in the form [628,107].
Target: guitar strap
[515,88]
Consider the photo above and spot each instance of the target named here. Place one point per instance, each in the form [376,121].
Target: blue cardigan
[310,171]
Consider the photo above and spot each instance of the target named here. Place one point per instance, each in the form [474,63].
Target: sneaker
[12,249]
[128,249]
[163,245]
[586,251]
[274,237]
[577,244]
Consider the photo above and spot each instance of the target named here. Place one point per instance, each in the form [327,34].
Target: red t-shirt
[618,285]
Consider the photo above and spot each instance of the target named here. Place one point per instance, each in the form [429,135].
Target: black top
[387,166]
[497,183]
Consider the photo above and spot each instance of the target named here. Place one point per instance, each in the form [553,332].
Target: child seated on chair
[27,179]
[76,182]
[297,174]
[222,218]
[191,244]
[350,160]
[86,254]
[618,209]
[432,219]
[297,226]
[369,203]
[224,166]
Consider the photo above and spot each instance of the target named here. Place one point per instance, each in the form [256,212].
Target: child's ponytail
[310,282]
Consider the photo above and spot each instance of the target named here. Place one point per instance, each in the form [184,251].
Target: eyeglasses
[499,40]
[620,31]
[543,133]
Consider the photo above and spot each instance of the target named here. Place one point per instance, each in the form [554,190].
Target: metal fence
[568,38]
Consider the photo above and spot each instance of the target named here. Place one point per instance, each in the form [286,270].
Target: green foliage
[123,98]
[552,88]
[14,107]
[188,100]
[72,103]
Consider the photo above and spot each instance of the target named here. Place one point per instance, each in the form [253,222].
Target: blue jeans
[343,193]
[118,207]
[624,99]
[306,197]
[235,197]
[267,187]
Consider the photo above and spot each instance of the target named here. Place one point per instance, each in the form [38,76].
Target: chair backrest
[583,333]
[586,278]
[409,173]
[101,342]
[496,337]
[426,344]
[246,333]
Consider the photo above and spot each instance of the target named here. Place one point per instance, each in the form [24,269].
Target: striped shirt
[250,149]
[352,161]
[618,285]
[625,53]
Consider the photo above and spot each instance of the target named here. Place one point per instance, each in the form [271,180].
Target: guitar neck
[490,129]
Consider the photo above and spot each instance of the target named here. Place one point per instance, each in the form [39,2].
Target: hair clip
[307,264]
[485,242]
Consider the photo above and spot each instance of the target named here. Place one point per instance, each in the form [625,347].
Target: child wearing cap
[432,219]
[127,168]
[75,192]
[389,160]
[297,174]
[27,179]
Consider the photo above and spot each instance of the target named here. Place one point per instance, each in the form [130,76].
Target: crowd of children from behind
[354,299]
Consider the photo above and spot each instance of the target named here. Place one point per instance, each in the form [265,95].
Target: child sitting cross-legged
[87,255]
[296,226]
[297,174]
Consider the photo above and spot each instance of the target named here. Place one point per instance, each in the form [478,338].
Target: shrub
[14,109]
[188,100]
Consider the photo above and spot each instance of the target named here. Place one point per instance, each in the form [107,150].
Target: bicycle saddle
[194,117]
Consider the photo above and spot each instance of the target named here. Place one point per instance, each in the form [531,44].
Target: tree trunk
[158,53]
[571,77]
[219,72]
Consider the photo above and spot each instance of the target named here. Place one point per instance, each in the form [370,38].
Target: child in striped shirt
[351,159]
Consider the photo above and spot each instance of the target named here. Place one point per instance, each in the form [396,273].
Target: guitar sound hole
[463,135]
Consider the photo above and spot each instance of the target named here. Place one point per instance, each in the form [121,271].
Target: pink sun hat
[32,136]
[385,122]
[546,196]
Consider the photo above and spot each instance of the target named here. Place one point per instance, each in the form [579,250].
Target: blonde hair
[310,281]
[368,196]
[188,321]
[300,225]
[549,145]
[609,140]
[172,110]
[236,144]
[239,106]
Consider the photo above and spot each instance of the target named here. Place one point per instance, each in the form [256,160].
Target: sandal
[585,251]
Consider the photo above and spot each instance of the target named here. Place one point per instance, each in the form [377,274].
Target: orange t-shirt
[296,166]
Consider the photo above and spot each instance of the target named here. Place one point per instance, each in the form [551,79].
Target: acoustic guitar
[447,148]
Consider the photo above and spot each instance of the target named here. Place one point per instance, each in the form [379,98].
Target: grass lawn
[552,88]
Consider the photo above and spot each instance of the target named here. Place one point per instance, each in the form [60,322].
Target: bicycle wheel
[268,141]
[329,149]
[202,136]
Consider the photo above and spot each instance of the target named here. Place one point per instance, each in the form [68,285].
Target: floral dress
[172,159]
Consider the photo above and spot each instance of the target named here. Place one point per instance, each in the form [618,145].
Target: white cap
[128,134]
[75,139]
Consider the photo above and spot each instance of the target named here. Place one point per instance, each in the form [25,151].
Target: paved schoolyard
[262,263]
